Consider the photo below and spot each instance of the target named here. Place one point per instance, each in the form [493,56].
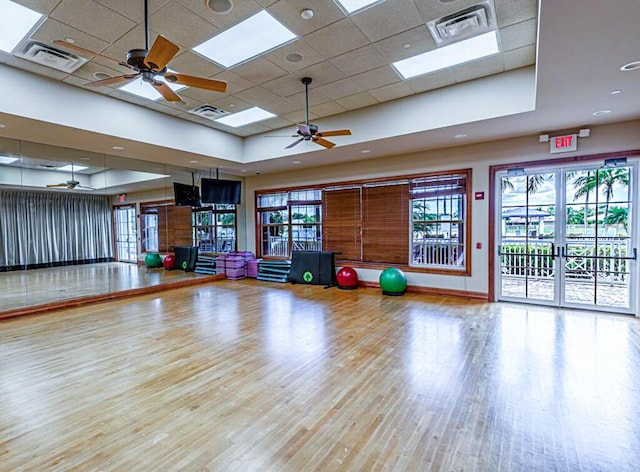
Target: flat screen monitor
[186,195]
[221,191]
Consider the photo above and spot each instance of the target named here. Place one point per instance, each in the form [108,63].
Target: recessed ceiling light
[255,35]
[70,168]
[85,158]
[102,75]
[631,66]
[459,136]
[7,159]
[142,89]
[350,6]
[293,58]
[232,105]
[365,151]
[70,40]
[117,148]
[406,45]
[245,117]
[1,126]
[601,112]
[457,53]
[296,162]
[193,162]
[243,170]
[219,6]
[616,92]
[306,14]
[16,22]
[444,2]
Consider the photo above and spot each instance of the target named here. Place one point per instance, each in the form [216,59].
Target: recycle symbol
[184,265]
[307,276]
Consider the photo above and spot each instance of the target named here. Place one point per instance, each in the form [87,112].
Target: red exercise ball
[347,278]
[169,262]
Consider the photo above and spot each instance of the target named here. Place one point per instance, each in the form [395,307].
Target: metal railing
[436,251]
[279,246]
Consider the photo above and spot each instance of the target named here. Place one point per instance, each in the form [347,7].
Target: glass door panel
[126,234]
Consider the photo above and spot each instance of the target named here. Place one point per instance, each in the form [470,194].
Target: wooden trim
[556,162]
[447,292]
[105,297]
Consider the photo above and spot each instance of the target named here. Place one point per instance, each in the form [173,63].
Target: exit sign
[568,142]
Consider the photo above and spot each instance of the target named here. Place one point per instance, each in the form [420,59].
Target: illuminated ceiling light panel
[245,117]
[7,159]
[15,23]
[351,6]
[448,56]
[142,89]
[69,168]
[255,35]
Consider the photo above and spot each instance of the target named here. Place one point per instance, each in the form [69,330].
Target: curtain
[40,229]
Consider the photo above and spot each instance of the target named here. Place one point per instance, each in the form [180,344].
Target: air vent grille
[472,21]
[50,56]
[208,111]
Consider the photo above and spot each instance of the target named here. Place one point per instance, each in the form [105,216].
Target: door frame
[116,209]
[633,156]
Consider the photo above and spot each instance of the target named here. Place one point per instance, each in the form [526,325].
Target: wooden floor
[256,376]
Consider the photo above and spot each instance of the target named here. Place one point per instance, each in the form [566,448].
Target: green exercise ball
[393,281]
[153,259]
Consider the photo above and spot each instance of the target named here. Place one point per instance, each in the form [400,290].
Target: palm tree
[605,179]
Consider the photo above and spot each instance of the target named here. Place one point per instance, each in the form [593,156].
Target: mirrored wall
[77,224]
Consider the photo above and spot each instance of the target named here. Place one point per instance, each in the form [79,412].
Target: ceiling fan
[149,64]
[71,184]
[308,131]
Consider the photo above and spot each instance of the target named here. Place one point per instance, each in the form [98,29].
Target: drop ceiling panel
[288,12]
[80,81]
[337,38]
[518,35]
[194,64]
[41,6]
[133,9]
[521,57]
[36,68]
[409,43]
[387,19]
[197,96]
[391,92]
[231,104]
[87,72]
[235,83]
[259,70]
[431,81]
[480,68]
[360,100]
[52,29]
[179,24]
[509,12]
[315,97]
[360,83]
[82,15]
[309,55]
[328,109]
[322,73]
[242,9]
[360,60]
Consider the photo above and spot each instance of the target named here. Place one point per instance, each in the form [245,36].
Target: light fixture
[193,162]
[293,58]
[631,66]
[7,159]
[601,112]
[70,40]
[615,162]
[1,126]
[16,22]
[141,89]
[219,6]
[365,151]
[351,6]
[306,14]
[117,148]
[448,56]
[460,136]
[245,117]
[249,38]
[584,132]
[71,168]
[543,138]
[296,162]
[406,45]
[615,92]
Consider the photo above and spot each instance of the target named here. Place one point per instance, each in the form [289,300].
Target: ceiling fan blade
[56,185]
[160,53]
[338,132]
[304,130]
[64,44]
[112,80]
[198,82]
[168,94]
[323,142]
[295,143]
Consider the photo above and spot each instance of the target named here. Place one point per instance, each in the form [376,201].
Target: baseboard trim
[106,297]
[435,291]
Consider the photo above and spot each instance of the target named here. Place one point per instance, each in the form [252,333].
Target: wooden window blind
[385,223]
[341,223]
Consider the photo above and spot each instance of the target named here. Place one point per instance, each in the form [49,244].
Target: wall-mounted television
[186,195]
[221,191]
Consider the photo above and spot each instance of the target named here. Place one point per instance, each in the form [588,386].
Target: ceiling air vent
[208,111]
[50,56]
[472,21]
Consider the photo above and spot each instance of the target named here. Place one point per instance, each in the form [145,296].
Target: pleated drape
[42,229]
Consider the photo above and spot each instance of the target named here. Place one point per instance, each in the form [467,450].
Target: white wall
[479,157]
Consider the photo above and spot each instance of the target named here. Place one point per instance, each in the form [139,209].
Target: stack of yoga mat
[273,271]
[221,264]
[237,265]
[206,265]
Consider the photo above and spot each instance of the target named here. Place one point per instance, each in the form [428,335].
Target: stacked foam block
[206,265]
[273,271]
[221,264]
[237,265]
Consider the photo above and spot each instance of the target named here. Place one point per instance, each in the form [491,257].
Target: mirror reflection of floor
[48,285]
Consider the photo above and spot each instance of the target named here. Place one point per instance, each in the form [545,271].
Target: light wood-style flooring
[256,376]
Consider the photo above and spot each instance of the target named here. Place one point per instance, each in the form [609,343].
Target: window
[149,229]
[417,222]
[439,210]
[214,228]
[289,221]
